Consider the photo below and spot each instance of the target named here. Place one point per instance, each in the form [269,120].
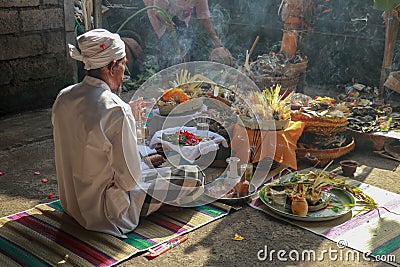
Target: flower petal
[44,180]
[237,238]
[51,195]
[36,173]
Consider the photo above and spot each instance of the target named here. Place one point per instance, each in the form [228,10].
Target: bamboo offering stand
[286,67]
[292,11]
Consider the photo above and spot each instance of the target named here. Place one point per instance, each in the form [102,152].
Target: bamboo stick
[392,28]
[254,45]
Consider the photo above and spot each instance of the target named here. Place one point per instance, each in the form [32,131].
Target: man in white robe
[99,169]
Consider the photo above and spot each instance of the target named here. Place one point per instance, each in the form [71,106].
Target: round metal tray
[234,200]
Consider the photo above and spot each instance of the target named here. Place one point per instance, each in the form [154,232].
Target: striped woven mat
[375,233]
[46,236]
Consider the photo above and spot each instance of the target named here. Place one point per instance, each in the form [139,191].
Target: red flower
[36,173]
[51,195]
[44,180]
[187,138]
[2,173]
[103,47]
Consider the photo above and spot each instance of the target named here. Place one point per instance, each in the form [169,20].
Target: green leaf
[335,209]
[386,5]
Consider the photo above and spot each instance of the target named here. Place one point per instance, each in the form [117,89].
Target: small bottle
[233,167]
[232,174]
[249,171]
[140,132]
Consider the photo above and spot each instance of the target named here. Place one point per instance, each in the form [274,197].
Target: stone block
[19,3]
[29,95]
[9,22]
[35,68]
[36,20]
[54,42]
[53,2]
[19,47]
[6,73]
[54,18]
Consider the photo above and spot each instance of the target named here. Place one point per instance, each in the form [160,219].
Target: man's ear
[112,67]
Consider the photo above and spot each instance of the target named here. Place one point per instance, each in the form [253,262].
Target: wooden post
[392,27]
[97,14]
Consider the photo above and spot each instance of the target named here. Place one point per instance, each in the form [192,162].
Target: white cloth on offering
[159,121]
[146,151]
[189,153]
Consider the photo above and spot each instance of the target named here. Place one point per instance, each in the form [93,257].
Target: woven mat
[375,233]
[46,236]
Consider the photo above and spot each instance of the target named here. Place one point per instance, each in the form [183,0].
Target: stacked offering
[323,138]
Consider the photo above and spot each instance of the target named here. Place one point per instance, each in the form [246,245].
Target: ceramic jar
[349,167]
[299,206]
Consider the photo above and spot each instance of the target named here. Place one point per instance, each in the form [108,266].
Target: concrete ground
[26,146]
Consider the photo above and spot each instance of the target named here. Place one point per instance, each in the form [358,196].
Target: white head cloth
[98,48]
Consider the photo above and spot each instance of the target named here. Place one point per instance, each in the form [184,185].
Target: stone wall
[34,65]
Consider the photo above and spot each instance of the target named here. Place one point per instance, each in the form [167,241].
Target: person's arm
[203,14]
[209,27]
[123,151]
[164,4]
[158,22]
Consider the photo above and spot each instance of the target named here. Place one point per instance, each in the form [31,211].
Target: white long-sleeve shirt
[97,158]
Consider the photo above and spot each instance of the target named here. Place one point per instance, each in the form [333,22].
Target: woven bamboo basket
[268,81]
[287,76]
[264,125]
[298,67]
[321,157]
[321,126]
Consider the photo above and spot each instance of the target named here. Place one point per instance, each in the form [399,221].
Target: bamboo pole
[392,28]
[248,54]
[254,45]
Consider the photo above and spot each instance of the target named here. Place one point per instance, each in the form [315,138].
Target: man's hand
[138,108]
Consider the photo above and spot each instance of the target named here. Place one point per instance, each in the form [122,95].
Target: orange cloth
[279,145]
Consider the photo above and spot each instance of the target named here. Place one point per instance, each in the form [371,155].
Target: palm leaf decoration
[278,102]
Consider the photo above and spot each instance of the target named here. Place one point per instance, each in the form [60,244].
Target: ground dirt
[26,146]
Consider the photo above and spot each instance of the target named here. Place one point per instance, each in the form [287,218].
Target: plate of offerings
[312,196]
[221,189]
[189,96]
[179,100]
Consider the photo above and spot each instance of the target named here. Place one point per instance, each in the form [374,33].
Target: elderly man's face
[118,74]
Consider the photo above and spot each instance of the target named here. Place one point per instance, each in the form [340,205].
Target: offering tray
[333,204]
[219,182]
